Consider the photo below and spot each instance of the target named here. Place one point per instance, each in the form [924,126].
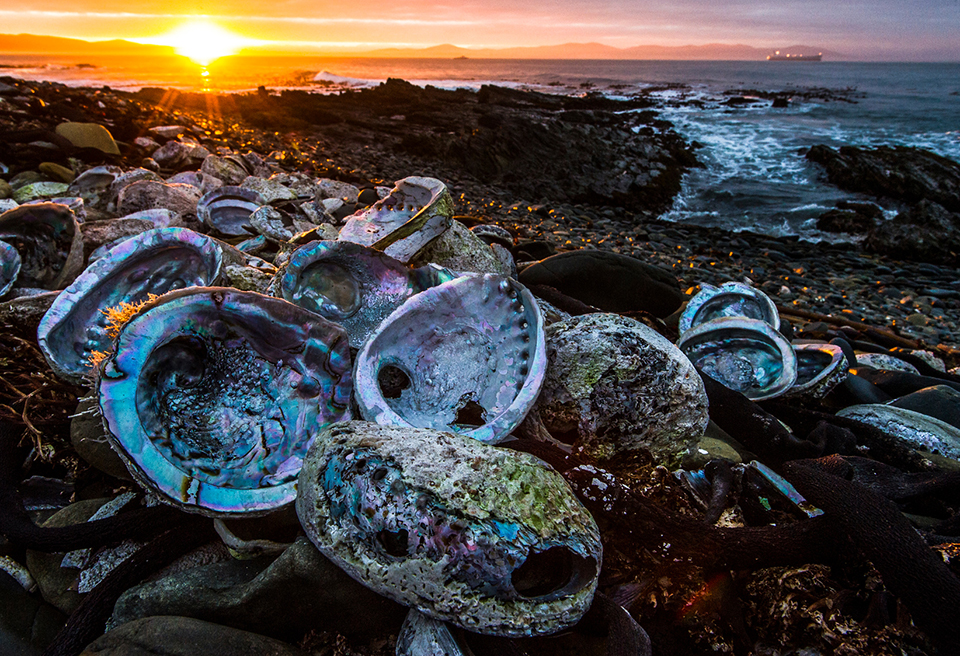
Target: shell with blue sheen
[353,285]
[468,355]
[9,266]
[154,262]
[488,539]
[212,397]
[731,299]
[47,237]
[227,210]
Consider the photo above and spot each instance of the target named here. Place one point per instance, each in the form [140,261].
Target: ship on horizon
[776,56]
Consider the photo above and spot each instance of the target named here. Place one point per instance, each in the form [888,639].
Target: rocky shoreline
[559,174]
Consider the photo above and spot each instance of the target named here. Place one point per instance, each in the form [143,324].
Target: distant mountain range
[34,44]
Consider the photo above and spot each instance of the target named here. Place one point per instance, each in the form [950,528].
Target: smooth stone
[713,444]
[7,204]
[184,636]
[88,437]
[256,595]
[147,194]
[5,189]
[886,362]
[27,624]
[56,582]
[89,135]
[223,168]
[609,281]
[39,191]
[174,154]
[270,190]
[460,250]
[615,385]
[54,170]
[900,383]
[168,131]
[919,431]
[940,401]
[24,178]
[194,178]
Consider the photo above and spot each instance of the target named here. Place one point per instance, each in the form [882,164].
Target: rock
[5,189]
[183,636]
[27,625]
[94,185]
[56,582]
[898,172]
[24,178]
[609,281]
[56,171]
[97,233]
[124,180]
[838,220]
[256,595]
[87,436]
[614,385]
[345,191]
[940,402]
[39,190]
[26,310]
[168,131]
[178,154]
[927,232]
[159,218]
[89,135]
[460,250]
[147,195]
[246,278]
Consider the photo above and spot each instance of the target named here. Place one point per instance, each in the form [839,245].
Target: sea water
[754,175]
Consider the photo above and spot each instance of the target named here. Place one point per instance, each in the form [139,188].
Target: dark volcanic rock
[927,232]
[906,174]
[837,220]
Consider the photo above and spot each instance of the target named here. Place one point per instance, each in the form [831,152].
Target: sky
[864,29]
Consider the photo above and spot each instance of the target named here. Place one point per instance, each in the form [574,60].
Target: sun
[203,42]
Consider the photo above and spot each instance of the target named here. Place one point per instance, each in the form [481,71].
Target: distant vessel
[778,57]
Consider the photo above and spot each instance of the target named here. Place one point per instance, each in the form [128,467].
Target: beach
[561,173]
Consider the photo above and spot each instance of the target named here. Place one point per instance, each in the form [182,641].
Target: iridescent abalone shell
[9,266]
[227,210]
[731,299]
[212,397]
[746,355]
[820,368]
[468,355]
[389,224]
[353,285]
[154,262]
[485,538]
[47,237]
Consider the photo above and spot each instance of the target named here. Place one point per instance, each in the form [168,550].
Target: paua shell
[154,262]
[212,397]
[614,385]
[227,210]
[353,285]
[915,429]
[416,211]
[467,355]
[820,368]
[731,299]
[9,266]
[47,237]
[746,355]
[488,539]
[421,635]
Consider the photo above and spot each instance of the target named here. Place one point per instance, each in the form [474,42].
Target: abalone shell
[212,397]
[731,299]
[485,538]
[47,237]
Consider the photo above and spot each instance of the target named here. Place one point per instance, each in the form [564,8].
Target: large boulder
[926,232]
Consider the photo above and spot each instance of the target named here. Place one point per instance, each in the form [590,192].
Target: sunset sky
[877,29]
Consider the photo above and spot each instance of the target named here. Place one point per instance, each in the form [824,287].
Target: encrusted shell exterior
[154,262]
[9,266]
[916,429]
[213,396]
[353,285]
[472,354]
[820,368]
[615,385]
[47,237]
[488,539]
[731,299]
[424,199]
[746,355]
[421,635]
[227,210]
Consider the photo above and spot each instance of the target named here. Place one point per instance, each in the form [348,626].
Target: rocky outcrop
[927,232]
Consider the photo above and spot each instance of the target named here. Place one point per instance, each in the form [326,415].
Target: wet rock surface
[728,554]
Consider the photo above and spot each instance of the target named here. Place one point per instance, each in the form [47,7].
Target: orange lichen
[122,313]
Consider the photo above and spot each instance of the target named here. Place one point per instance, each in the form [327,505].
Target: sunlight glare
[203,42]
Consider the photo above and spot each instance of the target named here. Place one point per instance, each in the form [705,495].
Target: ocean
[754,177]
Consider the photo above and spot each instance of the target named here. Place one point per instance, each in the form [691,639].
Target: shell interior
[47,237]
[746,355]
[228,210]
[820,368]
[732,299]
[468,355]
[353,285]
[9,266]
[213,396]
[154,262]
[417,211]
